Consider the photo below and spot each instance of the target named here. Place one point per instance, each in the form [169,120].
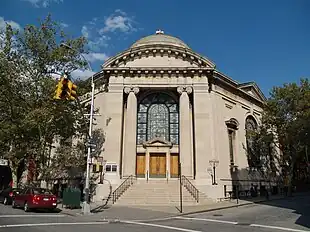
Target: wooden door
[140,165]
[157,165]
[174,165]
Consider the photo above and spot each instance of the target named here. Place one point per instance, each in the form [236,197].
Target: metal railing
[117,193]
[190,187]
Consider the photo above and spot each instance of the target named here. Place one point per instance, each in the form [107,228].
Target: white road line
[53,224]
[278,228]
[207,219]
[160,226]
[31,215]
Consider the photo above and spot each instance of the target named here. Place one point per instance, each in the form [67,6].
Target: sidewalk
[116,212]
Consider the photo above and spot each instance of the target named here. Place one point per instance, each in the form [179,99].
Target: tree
[30,119]
[285,124]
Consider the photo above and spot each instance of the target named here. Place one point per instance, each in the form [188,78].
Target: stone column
[185,145]
[130,146]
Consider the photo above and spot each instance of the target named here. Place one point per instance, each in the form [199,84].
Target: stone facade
[166,104]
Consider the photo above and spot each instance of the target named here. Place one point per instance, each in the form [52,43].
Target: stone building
[165,104]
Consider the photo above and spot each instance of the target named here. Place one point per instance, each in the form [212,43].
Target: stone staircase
[158,193]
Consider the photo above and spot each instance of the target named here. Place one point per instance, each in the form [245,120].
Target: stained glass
[142,117]
[158,117]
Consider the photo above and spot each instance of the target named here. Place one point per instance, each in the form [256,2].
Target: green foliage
[30,118]
[285,125]
[70,156]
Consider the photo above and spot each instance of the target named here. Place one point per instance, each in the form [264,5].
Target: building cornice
[157,71]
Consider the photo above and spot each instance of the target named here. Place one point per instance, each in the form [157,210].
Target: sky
[266,41]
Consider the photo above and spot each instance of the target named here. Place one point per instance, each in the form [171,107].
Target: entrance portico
[158,160]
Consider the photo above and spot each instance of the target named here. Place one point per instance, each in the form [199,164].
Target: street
[291,214]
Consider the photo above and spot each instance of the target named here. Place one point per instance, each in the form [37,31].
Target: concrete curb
[69,213]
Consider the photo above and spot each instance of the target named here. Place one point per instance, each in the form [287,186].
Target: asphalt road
[291,214]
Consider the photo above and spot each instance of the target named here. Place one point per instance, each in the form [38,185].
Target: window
[111,168]
[232,126]
[231,135]
[158,117]
[39,191]
[251,127]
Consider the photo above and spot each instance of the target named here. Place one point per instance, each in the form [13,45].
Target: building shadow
[250,187]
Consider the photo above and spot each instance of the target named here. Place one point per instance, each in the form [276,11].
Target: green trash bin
[71,198]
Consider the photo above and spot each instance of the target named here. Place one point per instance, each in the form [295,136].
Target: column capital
[129,89]
[186,89]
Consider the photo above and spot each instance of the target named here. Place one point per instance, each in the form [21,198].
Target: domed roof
[158,39]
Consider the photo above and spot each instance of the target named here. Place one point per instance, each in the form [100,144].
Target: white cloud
[64,25]
[82,74]
[13,24]
[85,31]
[95,56]
[96,41]
[43,3]
[118,21]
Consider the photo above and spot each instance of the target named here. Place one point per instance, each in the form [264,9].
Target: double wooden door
[158,165]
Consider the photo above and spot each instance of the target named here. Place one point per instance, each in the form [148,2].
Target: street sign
[4,162]
[91,145]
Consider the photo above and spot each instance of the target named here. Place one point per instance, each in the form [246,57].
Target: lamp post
[214,163]
[86,205]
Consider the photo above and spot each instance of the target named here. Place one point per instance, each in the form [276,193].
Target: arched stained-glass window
[158,117]
[251,127]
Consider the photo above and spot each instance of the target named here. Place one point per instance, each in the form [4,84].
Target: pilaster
[185,131]
[129,157]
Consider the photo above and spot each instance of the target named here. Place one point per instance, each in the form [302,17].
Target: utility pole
[86,203]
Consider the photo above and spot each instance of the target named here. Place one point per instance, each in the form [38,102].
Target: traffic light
[62,89]
[72,91]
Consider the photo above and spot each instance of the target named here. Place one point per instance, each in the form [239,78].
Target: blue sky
[266,41]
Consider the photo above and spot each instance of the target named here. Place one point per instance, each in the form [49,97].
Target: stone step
[156,192]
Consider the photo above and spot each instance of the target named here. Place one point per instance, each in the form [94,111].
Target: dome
[159,39]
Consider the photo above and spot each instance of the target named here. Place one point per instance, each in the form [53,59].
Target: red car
[35,198]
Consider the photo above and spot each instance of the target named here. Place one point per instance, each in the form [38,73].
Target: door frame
[166,174]
[157,145]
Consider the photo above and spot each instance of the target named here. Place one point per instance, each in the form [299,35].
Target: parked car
[7,195]
[35,198]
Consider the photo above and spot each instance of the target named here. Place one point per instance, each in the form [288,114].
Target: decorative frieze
[158,71]
[157,50]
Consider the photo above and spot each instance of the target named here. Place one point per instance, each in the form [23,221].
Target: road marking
[238,223]
[53,224]
[207,219]
[160,226]
[31,215]
[278,228]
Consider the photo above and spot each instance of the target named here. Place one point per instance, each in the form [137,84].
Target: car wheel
[5,201]
[26,207]
[13,204]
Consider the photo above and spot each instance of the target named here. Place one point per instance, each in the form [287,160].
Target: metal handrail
[190,187]
[117,193]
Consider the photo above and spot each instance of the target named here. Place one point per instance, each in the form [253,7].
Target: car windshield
[41,191]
